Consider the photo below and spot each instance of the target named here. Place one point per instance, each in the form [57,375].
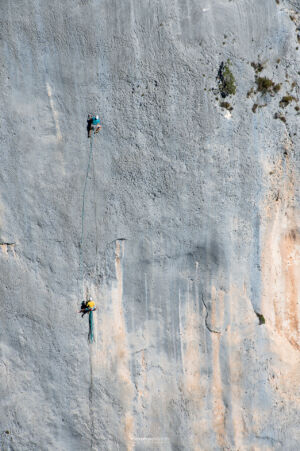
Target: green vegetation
[280,116]
[255,106]
[264,84]
[286,100]
[258,67]
[261,318]
[226,78]
[226,105]
[277,87]
[229,80]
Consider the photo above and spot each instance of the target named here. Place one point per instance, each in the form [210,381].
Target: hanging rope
[91,327]
[80,290]
[96,215]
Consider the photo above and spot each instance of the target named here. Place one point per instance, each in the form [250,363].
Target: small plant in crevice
[226,80]
[261,318]
[250,92]
[226,105]
[265,85]
[280,116]
[258,67]
[277,87]
[255,106]
[286,100]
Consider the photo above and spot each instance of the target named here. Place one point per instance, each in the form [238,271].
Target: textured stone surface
[191,226]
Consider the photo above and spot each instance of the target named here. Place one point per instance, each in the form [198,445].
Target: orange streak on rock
[194,367]
[129,429]
[217,390]
[191,357]
[281,255]
[122,353]
[290,254]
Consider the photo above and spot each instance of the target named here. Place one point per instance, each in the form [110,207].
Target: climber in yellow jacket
[91,304]
[87,306]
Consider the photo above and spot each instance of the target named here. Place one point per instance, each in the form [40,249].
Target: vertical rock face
[190,226]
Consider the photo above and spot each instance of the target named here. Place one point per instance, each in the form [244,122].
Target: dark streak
[207,326]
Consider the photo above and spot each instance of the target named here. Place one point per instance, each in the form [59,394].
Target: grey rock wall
[190,227]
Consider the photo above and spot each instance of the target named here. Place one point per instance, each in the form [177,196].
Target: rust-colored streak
[217,393]
[281,255]
[129,429]
[219,410]
[290,263]
[194,367]
[122,351]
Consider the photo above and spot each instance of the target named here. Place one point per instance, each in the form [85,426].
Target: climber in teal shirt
[93,123]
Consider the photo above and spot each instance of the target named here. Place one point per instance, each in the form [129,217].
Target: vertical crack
[206,317]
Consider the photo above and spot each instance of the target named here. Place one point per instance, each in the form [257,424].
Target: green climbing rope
[80,290]
[96,216]
[91,327]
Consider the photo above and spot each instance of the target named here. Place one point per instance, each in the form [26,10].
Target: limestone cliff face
[191,241]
